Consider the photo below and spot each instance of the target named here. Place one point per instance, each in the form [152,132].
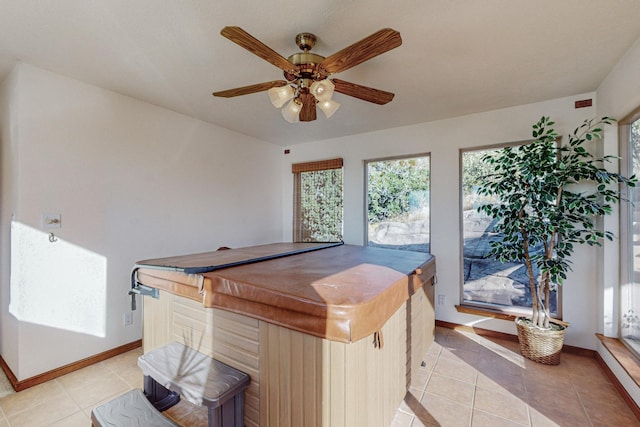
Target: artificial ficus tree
[541,209]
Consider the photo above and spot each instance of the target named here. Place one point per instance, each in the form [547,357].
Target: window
[487,282]
[630,235]
[317,201]
[398,203]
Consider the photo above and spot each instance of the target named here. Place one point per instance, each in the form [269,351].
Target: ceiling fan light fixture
[322,89]
[328,107]
[280,95]
[291,112]
[307,85]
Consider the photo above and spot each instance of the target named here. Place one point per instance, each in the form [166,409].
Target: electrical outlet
[442,300]
[127,318]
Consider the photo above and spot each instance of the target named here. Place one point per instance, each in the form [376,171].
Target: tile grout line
[4,416]
[426,383]
[115,372]
[586,414]
[529,416]
[501,417]
[526,392]
[36,405]
[70,397]
[473,398]
[79,409]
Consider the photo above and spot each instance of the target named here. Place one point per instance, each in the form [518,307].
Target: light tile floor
[473,381]
[467,380]
[68,400]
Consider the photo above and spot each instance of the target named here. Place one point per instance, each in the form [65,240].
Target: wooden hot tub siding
[298,379]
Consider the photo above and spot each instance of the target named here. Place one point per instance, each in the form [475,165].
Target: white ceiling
[457,57]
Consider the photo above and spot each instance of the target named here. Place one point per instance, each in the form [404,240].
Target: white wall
[619,93]
[443,139]
[132,181]
[8,201]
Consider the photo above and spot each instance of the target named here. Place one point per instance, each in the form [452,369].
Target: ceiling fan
[309,82]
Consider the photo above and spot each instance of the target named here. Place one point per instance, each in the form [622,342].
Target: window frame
[625,217]
[366,190]
[474,307]
[314,166]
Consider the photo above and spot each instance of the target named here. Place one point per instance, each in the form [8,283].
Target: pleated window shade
[317,201]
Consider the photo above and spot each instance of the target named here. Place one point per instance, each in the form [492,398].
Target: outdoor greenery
[474,170]
[396,186]
[541,203]
[321,205]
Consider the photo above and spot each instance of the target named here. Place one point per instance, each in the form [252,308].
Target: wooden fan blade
[308,112]
[255,46]
[367,48]
[365,93]
[245,90]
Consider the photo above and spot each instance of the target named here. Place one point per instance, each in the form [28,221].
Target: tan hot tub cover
[339,292]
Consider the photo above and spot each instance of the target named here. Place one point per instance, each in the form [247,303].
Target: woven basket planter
[540,345]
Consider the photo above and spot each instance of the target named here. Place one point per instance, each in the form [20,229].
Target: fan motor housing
[307,64]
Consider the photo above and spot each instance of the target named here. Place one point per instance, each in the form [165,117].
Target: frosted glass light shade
[291,112]
[280,95]
[328,107]
[322,89]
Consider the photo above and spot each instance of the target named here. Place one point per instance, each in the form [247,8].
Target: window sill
[623,356]
[498,314]
[486,312]
[629,363]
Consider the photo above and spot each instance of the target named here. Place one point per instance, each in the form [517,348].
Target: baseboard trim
[63,370]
